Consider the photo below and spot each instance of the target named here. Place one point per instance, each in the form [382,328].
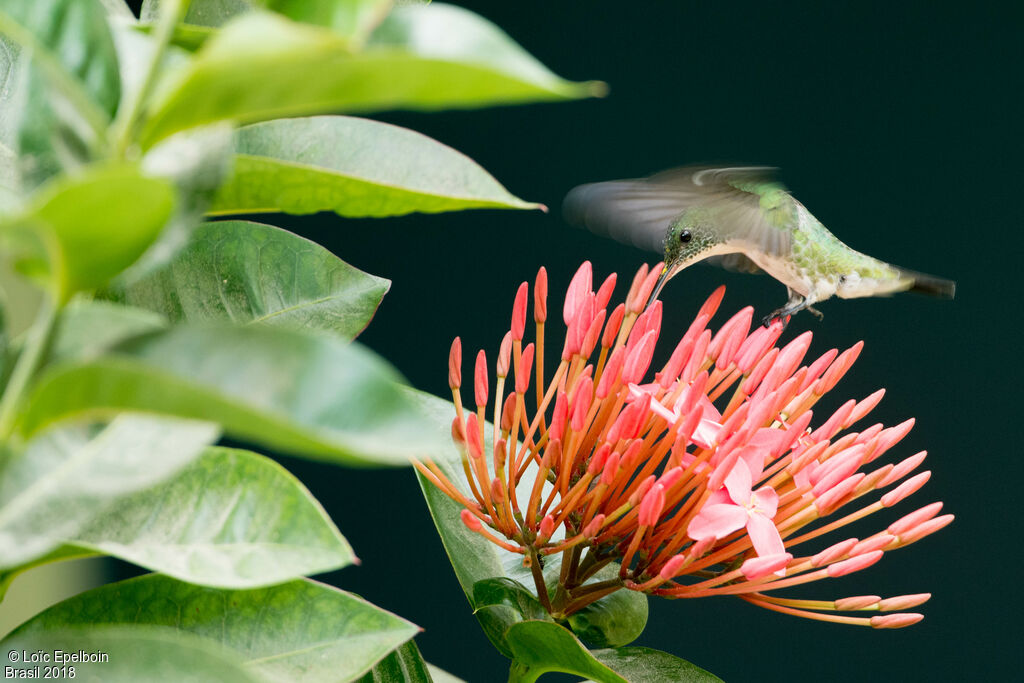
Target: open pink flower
[708,480]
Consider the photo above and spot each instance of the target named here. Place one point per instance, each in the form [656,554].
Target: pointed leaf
[231,518]
[66,477]
[500,602]
[354,167]
[242,272]
[257,68]
[55,238]
[302,630]
[616,620]
[302,393]
[540,646]
[131,655]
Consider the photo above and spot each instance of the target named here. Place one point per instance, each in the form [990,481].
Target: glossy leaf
[79,232]
[348,165]
[231,518]
[256,68]
[132,655]
[500,602]
[302,630]
[539,647]
[68,91]
[613,621]
[303,393]
[61,480]
[242,272]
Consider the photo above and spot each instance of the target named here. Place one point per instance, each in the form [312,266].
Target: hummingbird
[743,219]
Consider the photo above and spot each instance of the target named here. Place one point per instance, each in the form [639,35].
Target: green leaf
[404,665]
[68,91]
[64,478]
[297,631]
[616,620]
[500,602]
[539,647]
[354,167]
[87,328]
[257,68]
[441,676]
[132,655]
[231,518]
[242,272]
[302,393]
[57,237]
[644,665]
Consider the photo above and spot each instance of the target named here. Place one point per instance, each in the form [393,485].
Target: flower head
[707,479]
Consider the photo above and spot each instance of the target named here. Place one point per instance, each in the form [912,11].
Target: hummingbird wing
[640,211]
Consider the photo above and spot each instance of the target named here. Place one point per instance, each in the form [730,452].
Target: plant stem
[36,342]
[538,580]
[520,673]
[171,13]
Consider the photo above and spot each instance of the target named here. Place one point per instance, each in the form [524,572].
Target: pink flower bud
[593,528]
[900,620]
[854,564]
[710,305]
[836,371]
[508,413]
[598,460]
[584,394]
[672,568]
[817,367]
[639,359]
[547,528]
[904,601]
[903,468]
[558,418]
[480,379]
[610,375]
[908,522]
[870,545]
[643,292]
[759,567]
[634,287]
[580,288]
[905,489]
[611,330]
[504,355]
[724,345]
[833,552]
[540,296]
[590,338]
[470,520]
[455,364]
[525,365]
[458,431]
[611,468]
[856,603]
[519,312]
[604,293]
[651,506]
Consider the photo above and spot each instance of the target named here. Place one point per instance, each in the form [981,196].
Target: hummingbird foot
[817,314]
[795,304]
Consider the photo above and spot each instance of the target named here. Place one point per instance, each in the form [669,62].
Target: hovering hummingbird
[742,219]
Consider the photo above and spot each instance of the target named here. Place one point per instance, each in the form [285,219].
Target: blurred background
[897,125]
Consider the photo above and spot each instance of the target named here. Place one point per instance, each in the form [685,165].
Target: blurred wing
[640,211]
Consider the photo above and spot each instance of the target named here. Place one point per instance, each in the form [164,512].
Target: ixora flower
[710,480]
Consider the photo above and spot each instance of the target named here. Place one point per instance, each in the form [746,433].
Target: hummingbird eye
[685,236]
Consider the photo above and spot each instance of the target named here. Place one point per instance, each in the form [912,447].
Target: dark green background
[896,124]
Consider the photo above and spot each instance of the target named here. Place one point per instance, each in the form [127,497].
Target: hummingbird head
[690,238]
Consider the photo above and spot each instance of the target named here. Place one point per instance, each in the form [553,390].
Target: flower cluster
[708,480]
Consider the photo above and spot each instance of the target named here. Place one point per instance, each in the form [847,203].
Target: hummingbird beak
[666,274]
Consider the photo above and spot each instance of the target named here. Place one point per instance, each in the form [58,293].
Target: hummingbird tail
[930,285]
